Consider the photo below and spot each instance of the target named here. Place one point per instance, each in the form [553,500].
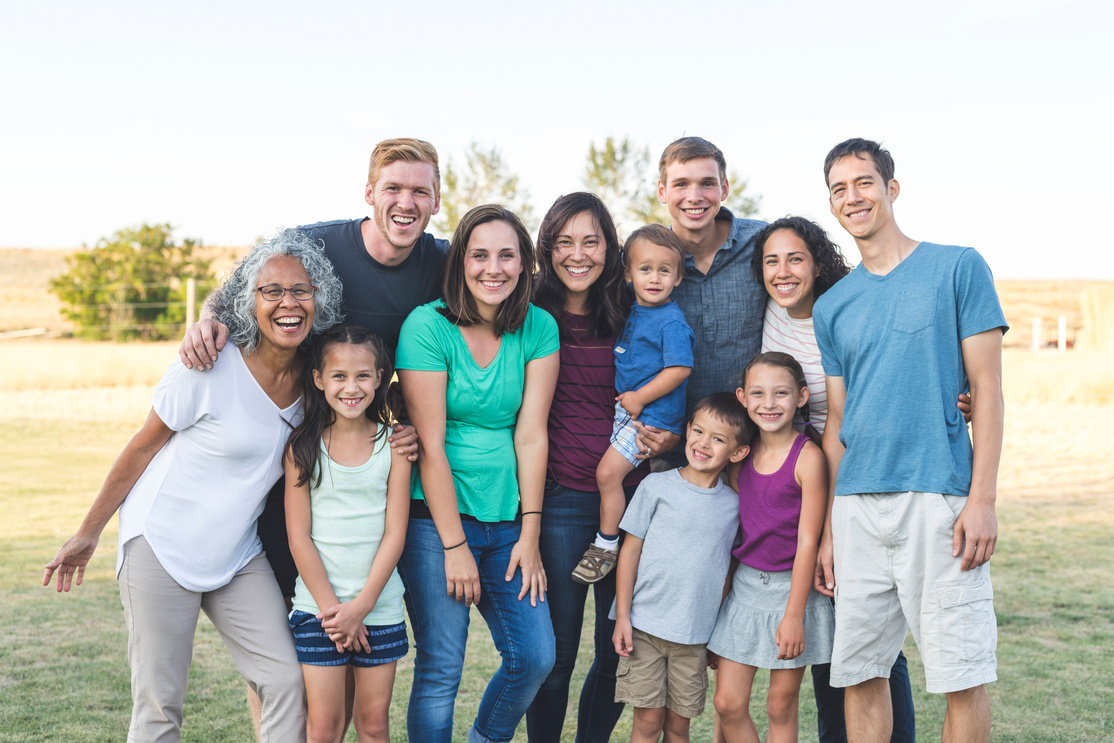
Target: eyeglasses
[274,292]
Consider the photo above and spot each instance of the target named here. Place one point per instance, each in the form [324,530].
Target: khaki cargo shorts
[895,572]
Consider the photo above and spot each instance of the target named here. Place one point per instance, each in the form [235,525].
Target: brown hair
[608,297]
[691,148]
[460,305]
[781,360]
[864,149]
[404,149]
[658,235]
[726,408]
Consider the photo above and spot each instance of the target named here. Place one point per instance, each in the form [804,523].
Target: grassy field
[63,670]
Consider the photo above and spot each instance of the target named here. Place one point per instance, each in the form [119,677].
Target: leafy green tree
[484,179]
[132,284]
[625,176]
[620,173]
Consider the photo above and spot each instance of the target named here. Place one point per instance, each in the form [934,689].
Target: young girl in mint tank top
[347,502]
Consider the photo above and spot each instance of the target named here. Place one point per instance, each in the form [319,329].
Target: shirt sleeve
[542,332]
[420,342]
[828,358]
[182,397]
[977,305]
[677,341]
[636,519]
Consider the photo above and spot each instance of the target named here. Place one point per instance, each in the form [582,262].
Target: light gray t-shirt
[687,534]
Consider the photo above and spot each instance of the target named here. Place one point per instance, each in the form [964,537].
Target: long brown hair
[460,305]
[305,441]
[608,298]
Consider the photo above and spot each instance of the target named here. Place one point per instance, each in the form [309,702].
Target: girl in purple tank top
[773,618]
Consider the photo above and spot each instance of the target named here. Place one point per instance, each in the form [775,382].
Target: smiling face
[789,273]
[349,376]
[286,323]
[653,270]
[405,198]
[692,191]
[579,255]
[859,198]
[710,443]
[492,265]
[771,397]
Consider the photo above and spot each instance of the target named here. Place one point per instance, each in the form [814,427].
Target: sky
[232,119]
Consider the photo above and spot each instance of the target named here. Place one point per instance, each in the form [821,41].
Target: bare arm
[812,475]
[132,462]
[203,340]
[424,392]
[976,528]
[531,449]
[344,618]
[667,380]
[626,572]
[825,579]
[299,523]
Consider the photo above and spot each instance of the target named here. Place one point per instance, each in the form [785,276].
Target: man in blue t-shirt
[911,523]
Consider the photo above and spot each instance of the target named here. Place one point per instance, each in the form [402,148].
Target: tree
[619,172]
[131,285]
[484,180]
[625,177]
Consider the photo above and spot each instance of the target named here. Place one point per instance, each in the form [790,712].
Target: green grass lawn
[63,659]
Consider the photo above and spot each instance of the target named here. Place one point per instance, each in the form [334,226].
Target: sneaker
[595,565]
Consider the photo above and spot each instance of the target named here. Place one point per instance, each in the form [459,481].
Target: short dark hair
[658,235]
[691,148]
[824,252]
[460,305]
[862,149]
[608,297]
[725,407]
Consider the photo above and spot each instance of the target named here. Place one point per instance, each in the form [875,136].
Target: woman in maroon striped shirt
[579,282]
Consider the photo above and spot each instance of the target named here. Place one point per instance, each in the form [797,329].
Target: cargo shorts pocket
[968,631]
[916,310]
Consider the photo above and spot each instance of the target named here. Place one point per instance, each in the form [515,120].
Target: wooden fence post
[191,301]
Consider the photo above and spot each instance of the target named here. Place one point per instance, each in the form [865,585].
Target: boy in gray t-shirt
[680,528]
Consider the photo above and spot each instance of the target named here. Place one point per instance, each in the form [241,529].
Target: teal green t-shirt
[481,404]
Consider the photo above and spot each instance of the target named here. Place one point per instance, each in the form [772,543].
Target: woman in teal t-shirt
[477,371]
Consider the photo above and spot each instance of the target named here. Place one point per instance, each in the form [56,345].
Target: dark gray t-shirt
[380,297]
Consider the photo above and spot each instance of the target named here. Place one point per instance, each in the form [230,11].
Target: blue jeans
[569,524]
[522,633]
[830,723]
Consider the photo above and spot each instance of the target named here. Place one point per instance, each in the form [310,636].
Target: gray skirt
[748,618]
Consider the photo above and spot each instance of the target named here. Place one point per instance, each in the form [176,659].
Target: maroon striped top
[583,410]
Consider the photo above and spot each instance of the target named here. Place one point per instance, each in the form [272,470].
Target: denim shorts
[314,647]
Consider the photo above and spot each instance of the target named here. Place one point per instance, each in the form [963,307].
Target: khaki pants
[248,612]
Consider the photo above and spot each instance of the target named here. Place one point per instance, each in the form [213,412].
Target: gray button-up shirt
[724,309]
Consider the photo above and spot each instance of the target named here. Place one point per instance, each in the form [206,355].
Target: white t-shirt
[780,332]
[199,498]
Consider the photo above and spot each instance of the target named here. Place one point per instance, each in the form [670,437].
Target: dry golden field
[26,302]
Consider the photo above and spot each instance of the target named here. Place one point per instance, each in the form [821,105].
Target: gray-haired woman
[190,486]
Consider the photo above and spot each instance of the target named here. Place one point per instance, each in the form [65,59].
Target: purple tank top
[769,514]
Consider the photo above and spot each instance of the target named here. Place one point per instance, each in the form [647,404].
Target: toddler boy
[653,359]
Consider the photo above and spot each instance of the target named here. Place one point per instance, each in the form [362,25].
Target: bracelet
[456,545]
[530,513]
